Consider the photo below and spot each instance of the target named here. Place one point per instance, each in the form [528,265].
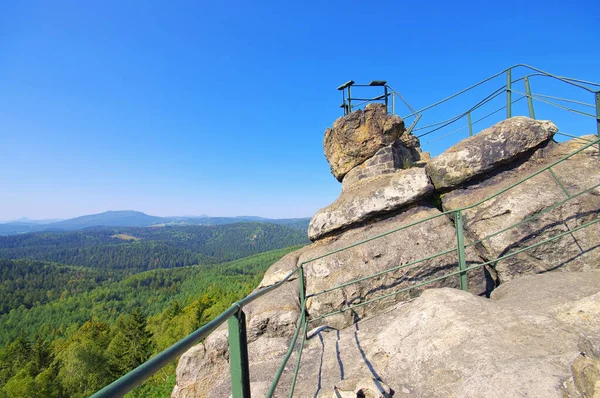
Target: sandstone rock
[444,343]
[370,198]
[387,160]
[358,136]
[451,343]
[574,252]
[395,249]
[490,148]
[364,388]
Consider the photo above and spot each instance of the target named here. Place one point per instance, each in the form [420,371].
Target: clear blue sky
[219,108]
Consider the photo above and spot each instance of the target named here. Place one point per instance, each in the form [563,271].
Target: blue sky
[219,108]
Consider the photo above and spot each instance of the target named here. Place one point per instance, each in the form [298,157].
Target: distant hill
[136,249]
[130,218]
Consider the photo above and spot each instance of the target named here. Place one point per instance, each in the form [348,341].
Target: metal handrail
[236,316]
[449,212]
[129,381]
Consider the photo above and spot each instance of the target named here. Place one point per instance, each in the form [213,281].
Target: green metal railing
[460,247]
[235,316]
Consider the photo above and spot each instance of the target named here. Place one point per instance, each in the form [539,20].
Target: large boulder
[370,198]
[531,339]
[573,252]
[449,343]
[492,147]
[358,136]
[398,248]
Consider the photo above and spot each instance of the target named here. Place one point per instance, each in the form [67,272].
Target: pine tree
[132,343]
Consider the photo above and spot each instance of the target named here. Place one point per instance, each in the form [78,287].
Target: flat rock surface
[488,149]
[401,248]
[445,343]
[370,198]
[524,206]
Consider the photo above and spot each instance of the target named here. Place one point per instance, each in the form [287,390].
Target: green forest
[69,327]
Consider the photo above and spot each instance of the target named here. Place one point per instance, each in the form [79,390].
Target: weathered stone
[450,343]
[358,136]
[395,249]
[444,343]
[577,251]
[490,148]
[387,160]
[364,388]
[371,198]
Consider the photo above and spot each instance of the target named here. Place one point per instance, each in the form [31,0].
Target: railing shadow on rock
[235,316]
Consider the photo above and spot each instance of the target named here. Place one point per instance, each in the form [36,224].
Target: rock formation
[358,136]
[537,336]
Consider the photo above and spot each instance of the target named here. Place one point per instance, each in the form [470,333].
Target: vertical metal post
[508,94]
[238,356]
[393,104]
[460,242]
[529,99]
[302,288]
[470,124]
[344,102]
[385,93]
[349,101]
[598,118]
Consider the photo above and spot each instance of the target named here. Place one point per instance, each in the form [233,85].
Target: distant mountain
[124,218]
[130,218]
[138,249]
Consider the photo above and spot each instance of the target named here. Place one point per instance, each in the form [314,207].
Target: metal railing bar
[484,101]
[382,272]
[540,213]
[564,107]
[446,213]
[555,237]
[475,122]
[563,99]
[573,136]
[529,176]
[375,237]
[251,297]
[490,98]
[129,381]
[535,97]
[287,354]
[567,80]
[559,182]
[402,99]
[300,350]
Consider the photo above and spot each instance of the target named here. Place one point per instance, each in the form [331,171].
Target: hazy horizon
[220,108]
[57,219]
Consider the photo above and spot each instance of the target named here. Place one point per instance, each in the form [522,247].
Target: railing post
[508,94]
[470,124]
[460,243]
[349,101]
[393,103]
[238,356]
[385,93]
[302,288]
[529,98]
[598,119]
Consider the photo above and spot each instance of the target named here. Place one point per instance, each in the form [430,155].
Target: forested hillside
[141,249]
[67,331]
[80,308]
